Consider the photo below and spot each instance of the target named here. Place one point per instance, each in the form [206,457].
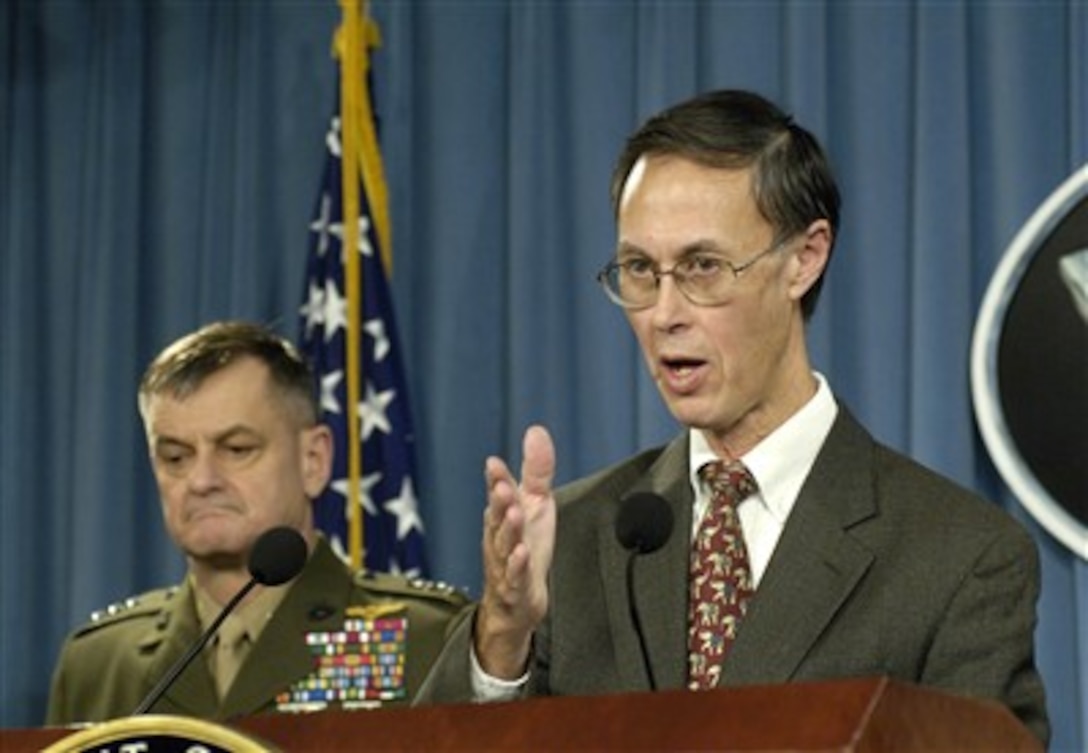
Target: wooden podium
[843,715]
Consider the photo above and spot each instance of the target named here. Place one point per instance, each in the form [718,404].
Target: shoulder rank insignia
[412,588]
[360,666]
[148,604]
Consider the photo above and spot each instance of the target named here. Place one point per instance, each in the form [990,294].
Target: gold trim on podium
[146,728]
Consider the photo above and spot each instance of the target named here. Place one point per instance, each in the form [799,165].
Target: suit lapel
[660,578]
[316,602]
[815,566]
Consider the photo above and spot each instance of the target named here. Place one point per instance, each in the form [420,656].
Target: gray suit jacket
[884,568]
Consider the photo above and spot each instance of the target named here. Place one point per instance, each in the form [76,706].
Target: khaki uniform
[108,666]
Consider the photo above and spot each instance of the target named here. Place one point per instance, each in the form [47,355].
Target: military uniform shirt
[239,631]
[108,666]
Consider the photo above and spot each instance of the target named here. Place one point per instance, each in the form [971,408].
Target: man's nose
[671,302]
[205,473]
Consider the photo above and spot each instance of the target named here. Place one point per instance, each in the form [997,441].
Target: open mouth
[681,374]
[681,366]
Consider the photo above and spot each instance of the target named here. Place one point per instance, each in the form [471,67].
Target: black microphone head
[644,522]
[278,555]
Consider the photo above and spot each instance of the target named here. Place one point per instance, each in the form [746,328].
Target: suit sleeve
[985,644]
[449,680]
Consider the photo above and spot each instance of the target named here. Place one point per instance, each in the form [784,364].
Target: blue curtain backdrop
[159,162]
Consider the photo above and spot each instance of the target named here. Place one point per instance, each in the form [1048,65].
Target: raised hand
[518,541]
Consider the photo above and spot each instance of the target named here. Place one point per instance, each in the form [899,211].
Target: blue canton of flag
[393,529]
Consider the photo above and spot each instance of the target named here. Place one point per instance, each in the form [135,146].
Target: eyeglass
[702,278]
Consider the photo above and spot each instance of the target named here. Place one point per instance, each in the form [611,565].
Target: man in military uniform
[237,448]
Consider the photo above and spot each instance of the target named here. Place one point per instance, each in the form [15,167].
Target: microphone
[643,526]
[278,555]
[644,522]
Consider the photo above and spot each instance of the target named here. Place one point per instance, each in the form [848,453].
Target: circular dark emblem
[1029,364]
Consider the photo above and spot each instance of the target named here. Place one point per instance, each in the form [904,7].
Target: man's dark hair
[733,129]
[180,369]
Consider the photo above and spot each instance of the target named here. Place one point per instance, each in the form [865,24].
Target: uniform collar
[254,612]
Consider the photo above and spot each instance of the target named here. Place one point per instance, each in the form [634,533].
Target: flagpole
[351,91]
[349,330]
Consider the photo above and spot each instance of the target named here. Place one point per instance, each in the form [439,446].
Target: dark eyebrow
[702,247]
[236,431]
[629,250]
[164,442]
[705,246]
[231,432]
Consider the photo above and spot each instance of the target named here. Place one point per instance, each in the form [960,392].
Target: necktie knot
[233,632]
[729,481]
[232,645]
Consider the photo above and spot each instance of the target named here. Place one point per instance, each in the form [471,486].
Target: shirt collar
[781,462]
[254,613]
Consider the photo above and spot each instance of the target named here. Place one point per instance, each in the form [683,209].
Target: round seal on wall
[1029,364]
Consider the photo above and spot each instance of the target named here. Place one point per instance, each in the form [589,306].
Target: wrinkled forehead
[241,392]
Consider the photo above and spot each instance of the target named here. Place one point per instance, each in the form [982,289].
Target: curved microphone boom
[277,556]
[643,525]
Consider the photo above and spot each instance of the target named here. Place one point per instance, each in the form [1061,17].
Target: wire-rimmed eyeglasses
[705,278]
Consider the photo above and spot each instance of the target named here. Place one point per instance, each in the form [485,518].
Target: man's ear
[316,451]
[811,258]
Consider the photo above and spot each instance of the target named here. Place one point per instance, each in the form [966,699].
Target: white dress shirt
[780,464]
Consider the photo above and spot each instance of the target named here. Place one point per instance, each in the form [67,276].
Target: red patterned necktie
[721,578]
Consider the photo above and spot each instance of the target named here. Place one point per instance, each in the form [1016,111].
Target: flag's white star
[338,546]
[393,568]
[337,229]
[320,225]
[314,308]
[372,411]
[336,310]
[405,509]
[376,329]
[332,138]
[366,483]
[329,383]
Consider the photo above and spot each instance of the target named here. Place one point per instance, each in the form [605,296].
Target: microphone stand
[167,680]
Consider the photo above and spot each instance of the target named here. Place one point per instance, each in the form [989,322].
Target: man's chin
[689,411]
[225,561]
[220,549]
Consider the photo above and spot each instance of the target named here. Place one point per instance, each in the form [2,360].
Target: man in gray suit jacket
[858,560]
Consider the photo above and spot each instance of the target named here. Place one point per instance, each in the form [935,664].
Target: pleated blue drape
[159,162]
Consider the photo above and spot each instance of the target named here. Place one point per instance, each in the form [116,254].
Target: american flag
[393,529]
